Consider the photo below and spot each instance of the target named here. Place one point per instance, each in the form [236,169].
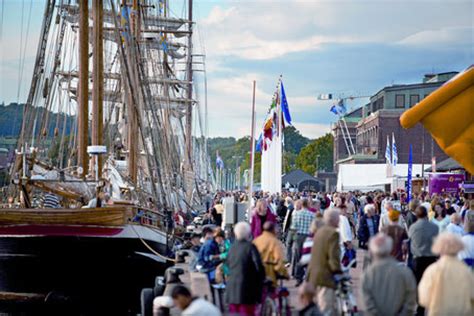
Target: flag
[219,161]
[284,105]
[394,151]
[339,108]
[410,167]
[388,155]
[259,143]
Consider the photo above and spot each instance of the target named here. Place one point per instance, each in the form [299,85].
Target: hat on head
[393,215]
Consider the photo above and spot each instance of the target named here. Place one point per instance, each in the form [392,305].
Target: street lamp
[317,162]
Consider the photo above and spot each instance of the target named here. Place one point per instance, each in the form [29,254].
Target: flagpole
[252,144]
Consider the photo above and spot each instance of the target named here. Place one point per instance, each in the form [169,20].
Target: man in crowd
[422,234]
[208,253]
[261,215]
[455,225]
[300,225]
[385,281]
[246,273]
[271,252]
[326,262]
[192,306]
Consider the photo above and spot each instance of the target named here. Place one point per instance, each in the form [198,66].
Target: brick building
[380,118]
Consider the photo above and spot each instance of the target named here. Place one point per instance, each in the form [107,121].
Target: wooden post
[83,93]
[98,80]
[252,149]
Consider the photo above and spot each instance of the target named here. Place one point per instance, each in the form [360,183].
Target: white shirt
[345,231]
[455,229]
[201,307]
[468,252]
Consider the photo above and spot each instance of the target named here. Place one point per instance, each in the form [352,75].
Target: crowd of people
[421,252]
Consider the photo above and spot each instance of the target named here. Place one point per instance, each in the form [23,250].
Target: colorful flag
[284,105]
[410,167]
[388,155]
[394,151]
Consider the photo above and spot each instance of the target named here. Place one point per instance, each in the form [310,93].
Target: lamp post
[317,162]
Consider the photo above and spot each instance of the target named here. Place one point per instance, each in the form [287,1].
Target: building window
[426,96]
[414,99]
[400,101]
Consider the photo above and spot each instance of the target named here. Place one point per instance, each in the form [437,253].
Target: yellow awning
[448,114]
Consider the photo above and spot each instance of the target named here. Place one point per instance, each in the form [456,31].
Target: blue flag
[259,143]
[219,162]
[284,105]
[410,167]
[333,109]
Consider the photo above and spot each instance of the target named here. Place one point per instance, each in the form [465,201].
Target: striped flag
[394,151]
[388,155]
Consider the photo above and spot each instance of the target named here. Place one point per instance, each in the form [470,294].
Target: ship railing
[148,217]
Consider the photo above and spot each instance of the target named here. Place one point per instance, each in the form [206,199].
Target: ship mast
[83,94]
[132,137]
[98,80]
[189,75]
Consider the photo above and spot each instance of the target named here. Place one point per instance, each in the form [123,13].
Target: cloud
[312,130]
[437,37]
[262,29]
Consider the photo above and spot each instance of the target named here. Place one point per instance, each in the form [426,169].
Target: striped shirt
[301,221]
[51,201]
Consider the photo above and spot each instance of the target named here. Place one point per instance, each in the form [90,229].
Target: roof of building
[294,177]
[447,165]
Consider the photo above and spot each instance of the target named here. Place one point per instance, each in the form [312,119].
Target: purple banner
[445,183]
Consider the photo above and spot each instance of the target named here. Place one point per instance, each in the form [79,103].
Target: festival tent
[448,114]
[370,177]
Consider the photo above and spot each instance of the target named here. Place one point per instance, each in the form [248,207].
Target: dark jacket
[410,218]
[325,257]
[246,274]
[363,232]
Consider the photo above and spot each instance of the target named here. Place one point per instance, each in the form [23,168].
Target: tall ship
[112,146]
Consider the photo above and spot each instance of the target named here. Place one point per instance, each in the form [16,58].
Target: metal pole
[252,144]
[83,88]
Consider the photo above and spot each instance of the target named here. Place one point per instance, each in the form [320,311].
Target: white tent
[368,177]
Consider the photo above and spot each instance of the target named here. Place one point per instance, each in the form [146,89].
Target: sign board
[445,183]
[468,187]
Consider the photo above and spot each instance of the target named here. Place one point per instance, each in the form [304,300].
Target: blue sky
[320,46]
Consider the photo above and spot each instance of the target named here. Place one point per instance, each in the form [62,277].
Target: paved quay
[199,285]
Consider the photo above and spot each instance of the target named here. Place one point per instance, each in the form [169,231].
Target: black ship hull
[87,273]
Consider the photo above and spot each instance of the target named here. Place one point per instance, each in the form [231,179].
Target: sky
[343,47]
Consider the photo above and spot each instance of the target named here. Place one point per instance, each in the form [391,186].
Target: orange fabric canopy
[448,114]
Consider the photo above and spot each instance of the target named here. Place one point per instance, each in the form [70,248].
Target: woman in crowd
[440,218]
[368,225]
[447,286]
[398,234]
[246,273]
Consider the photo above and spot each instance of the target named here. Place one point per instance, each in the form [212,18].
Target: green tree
[294,141]
[307,159]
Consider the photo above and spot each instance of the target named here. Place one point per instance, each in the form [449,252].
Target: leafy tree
[294,141]
[307,159]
